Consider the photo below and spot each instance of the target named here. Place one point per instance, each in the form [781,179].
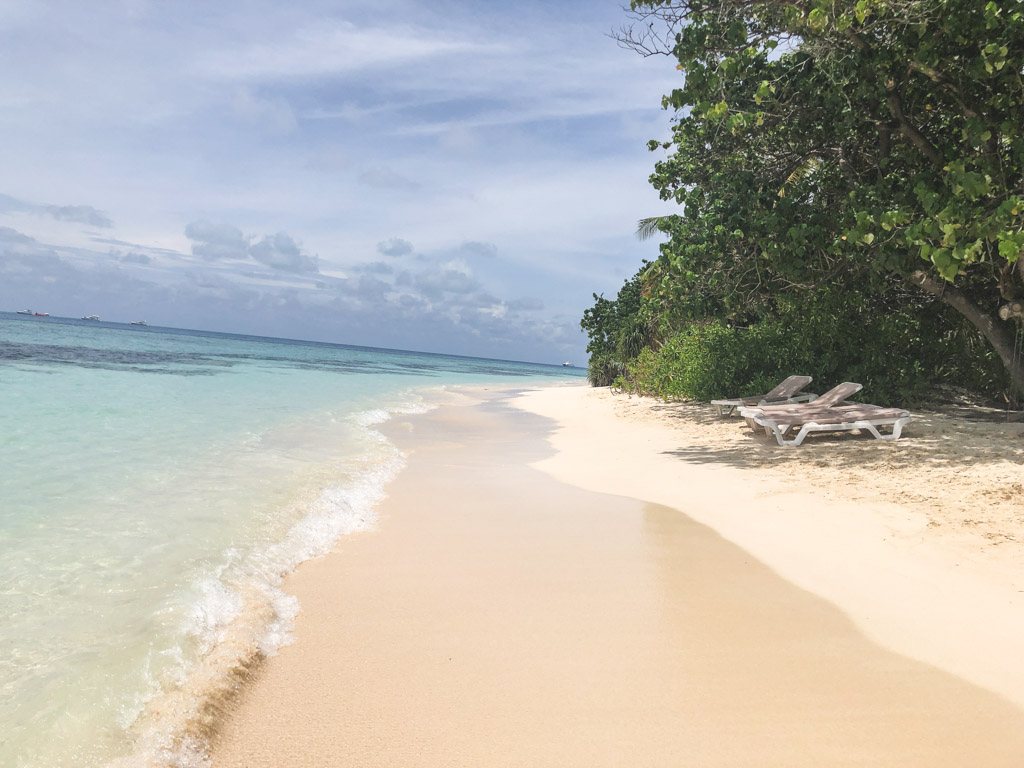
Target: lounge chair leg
[799,439]
[897,430]
[778,434]
[780,431]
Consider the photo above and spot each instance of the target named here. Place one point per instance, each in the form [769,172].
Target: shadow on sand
[936,438]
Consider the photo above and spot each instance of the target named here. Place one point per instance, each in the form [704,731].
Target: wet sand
[501,617]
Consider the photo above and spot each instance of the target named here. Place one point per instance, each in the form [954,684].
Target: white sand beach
[920,541]
[570,577]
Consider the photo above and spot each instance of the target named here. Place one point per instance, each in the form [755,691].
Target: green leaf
[718,110]
[817,19]
[764,91]
[1011,246]
[941,258]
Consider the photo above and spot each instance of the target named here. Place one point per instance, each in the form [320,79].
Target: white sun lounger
[838,395]
[787,391]
[843,418]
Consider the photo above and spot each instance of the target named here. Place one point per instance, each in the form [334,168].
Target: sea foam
[240,613]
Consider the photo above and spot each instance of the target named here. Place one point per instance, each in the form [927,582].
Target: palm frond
[648,228]
[804,169]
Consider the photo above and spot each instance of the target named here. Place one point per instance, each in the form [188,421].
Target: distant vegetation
[850,178]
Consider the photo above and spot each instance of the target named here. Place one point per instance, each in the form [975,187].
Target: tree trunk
[998,334]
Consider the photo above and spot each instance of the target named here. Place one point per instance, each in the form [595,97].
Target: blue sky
[445,176]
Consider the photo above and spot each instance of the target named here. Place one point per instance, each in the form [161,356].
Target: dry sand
[501,616]
[920,542]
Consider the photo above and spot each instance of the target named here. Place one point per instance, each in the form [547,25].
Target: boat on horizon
[40,314]
[567,364]
[91,317]
[138,322]
[24,311]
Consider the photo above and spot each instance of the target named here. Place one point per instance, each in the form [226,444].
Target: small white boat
[24,311]
[91,317]
[138,322]
[40,314]
[567,364]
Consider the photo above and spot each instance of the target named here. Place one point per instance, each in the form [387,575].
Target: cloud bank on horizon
[454,177]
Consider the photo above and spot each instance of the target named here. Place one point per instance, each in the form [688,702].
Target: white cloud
[441,285]
[80,214]
[218,241]
[526,304]
[213,241]
[394,247]
[472,130]
[332,47]
[375,268]
[479,249]
[458,266]
[383,177]
[280,251]
[12,237]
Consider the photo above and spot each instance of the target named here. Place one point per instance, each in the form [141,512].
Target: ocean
[156,485]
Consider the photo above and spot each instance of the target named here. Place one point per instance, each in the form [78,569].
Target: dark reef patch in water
[200,364]
[141,361]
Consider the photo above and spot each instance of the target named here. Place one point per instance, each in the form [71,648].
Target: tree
[826,142]
[617,330]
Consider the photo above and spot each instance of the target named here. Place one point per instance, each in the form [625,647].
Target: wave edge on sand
[242,616]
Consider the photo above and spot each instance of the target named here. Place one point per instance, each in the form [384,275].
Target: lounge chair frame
[786,392]
[837,396]
[778,429]
[728,407]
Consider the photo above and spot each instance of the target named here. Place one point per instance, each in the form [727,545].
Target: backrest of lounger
[787,387]
[839,393]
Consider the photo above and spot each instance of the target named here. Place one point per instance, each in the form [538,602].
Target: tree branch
[998,335]
[940,79]
[909,130]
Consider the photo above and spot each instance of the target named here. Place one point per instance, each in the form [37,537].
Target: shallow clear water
[155,485]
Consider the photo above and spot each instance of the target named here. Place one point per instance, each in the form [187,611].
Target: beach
[157,486]
[362,381]
[563,576]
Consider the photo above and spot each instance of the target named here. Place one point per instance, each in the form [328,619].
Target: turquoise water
[155,487]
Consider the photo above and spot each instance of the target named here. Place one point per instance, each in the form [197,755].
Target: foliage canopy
[844,147]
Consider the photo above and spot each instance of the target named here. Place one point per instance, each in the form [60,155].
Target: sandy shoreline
[920,542]
[534,596]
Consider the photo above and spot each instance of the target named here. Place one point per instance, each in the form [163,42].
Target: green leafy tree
[819,143]
[617,329]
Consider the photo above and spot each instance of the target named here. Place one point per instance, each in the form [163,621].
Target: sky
[452,177]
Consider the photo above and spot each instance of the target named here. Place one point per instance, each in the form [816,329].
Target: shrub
[891,350]
[603,370]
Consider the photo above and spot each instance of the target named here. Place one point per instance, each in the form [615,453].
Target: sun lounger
[788,391]
[842,418]
[838,395]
